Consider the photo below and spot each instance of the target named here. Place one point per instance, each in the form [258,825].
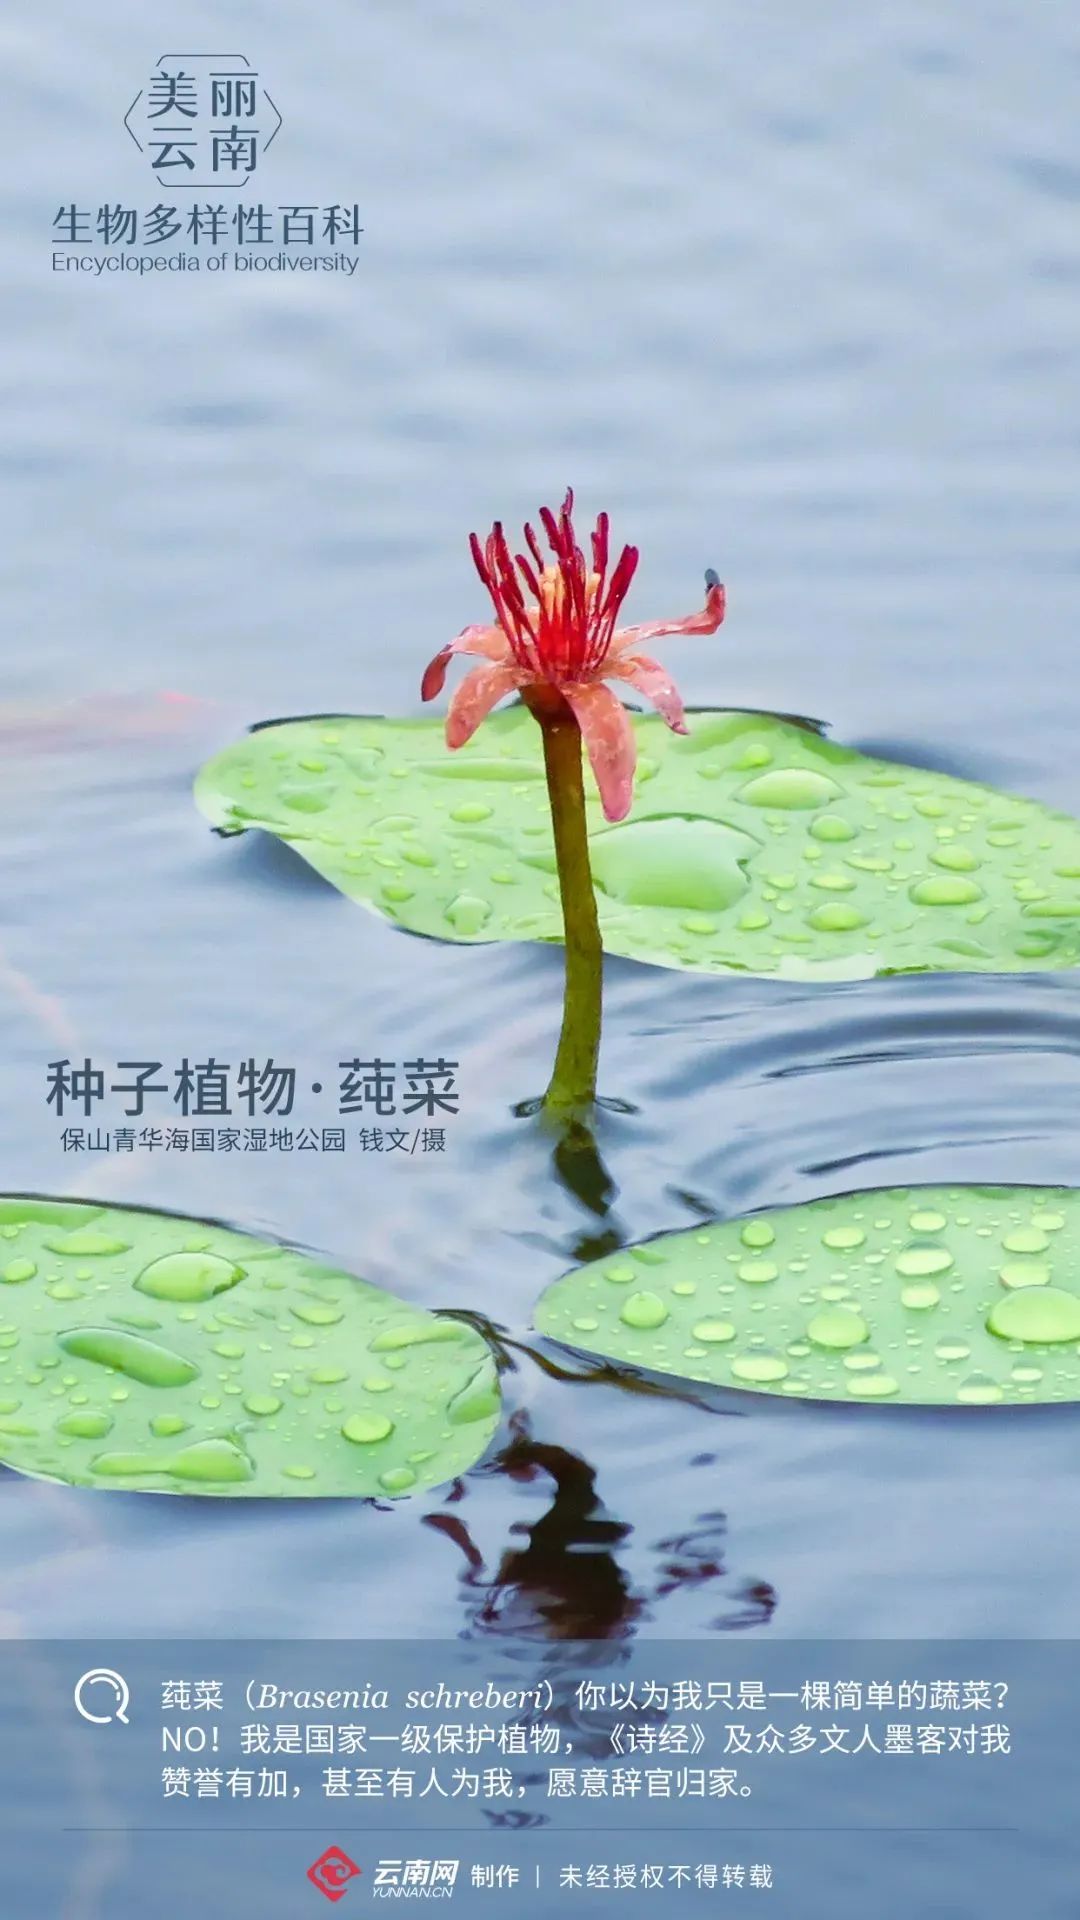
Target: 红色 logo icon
[332,1871]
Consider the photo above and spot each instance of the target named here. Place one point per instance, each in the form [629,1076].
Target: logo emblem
[203,120]
[332,1872]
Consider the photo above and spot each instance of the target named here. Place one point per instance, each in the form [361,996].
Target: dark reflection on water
[803,299]
[576,1162]
[568,1581]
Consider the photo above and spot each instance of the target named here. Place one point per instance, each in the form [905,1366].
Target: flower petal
[473,700]
[489,641]
[655,682]
[609,738]
[706,621]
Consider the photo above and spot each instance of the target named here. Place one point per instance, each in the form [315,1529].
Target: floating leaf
[754,845]
[141,1350]
[939,1296]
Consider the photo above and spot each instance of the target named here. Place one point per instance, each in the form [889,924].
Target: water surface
[792,293]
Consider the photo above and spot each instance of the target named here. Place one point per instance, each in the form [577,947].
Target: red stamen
[564,635]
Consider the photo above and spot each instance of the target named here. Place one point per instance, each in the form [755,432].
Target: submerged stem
[573,1079]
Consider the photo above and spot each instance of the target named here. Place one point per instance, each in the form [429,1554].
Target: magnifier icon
[116,1686]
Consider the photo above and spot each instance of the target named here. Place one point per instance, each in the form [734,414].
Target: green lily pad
[141,1350]
[926,1296]
[754,845]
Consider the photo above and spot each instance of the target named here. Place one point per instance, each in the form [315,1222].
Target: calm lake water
[793,292]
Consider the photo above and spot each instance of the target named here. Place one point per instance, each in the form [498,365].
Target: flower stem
[573,1079]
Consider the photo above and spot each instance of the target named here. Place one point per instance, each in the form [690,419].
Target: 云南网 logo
[332,1872]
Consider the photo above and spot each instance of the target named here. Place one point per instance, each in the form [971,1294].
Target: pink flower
[555,641]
